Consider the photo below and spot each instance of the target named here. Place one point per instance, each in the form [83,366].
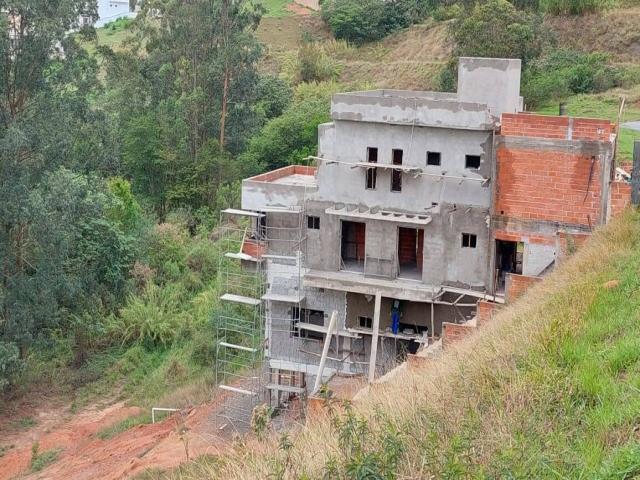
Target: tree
[60,254]
[361,21]
[497,29]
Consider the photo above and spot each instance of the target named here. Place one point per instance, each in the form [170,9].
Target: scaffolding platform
[243,256]
[230,297]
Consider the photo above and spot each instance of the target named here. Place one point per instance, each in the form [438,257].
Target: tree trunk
[223,113]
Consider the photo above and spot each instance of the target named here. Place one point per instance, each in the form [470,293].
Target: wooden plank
[238,347]
[374,338]
[230,297]
[238,390]
[325,350]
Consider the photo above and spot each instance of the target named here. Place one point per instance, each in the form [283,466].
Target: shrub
[447,12]
[289,138]
[561,73]
[314,65]
[10,364]
[497,29]
[157,316]
[361,21]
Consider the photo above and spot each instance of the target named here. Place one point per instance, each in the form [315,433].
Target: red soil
[84,456]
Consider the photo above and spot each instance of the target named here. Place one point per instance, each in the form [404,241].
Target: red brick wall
[620,196]
[284,172]
[520,237]
[452,332]
[485,311]
[576,240]
[551,186]
[517,285]
[528,125]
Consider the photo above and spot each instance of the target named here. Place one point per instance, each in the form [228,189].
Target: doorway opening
[410,249]
[352,246]
[508,260]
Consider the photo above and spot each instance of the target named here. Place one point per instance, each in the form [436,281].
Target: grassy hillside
[550,389]
[606,105]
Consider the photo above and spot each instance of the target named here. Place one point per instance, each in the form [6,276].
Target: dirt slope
[85,456]
[616,32]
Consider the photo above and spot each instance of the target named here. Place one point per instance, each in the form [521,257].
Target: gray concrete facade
[447,204]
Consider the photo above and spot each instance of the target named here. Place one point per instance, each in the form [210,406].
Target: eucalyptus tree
[188,98]
[57,248]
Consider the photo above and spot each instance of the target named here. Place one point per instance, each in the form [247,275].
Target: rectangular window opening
[372,173]
[312,317]
[365,322]
[469,240]
[313,223]
[396,175]
[433,159]
[472,161]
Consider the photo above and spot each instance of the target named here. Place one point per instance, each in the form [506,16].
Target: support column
[374,339]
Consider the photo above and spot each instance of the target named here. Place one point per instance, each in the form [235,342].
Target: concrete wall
[445,260]
[440,112]
[347,141]
[492,81]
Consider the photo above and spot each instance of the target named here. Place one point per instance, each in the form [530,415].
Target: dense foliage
[362,21]
[114,165]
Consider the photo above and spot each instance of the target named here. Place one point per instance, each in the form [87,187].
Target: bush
[10,364]
[361,21]
[561,73]
[497,29]
[314,65]
[447,12]
[156,317]
[286,140]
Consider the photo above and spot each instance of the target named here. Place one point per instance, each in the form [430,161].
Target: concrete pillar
[374,338]
[635,174]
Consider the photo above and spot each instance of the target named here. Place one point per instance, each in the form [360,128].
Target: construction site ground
[83,455]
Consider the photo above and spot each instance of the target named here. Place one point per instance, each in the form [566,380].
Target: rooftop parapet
[283,188]
[429,109]
[487,88]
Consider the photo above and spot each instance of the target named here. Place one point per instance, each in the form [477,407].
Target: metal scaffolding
[262,266]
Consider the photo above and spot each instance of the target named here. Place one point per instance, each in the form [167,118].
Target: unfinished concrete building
[419,205]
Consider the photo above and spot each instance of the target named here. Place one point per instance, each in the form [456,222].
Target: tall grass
[550,389]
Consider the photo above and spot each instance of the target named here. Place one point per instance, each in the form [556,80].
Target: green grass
[39,461]
[277,8]
[113,430]
[603,105]
[24,423]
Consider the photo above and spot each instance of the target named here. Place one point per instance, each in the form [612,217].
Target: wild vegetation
[119,147]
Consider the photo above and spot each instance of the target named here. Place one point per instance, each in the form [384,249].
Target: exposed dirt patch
[57,428]
[616,32]
[163,445]
[299,9]
[310,4]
